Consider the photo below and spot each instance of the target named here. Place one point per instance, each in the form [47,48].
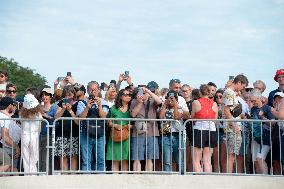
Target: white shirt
[4,123]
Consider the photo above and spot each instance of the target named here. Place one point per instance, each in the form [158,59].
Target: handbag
[166,128]
[120,135]
[236,112]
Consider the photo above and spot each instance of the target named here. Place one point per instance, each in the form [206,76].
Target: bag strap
[147,109]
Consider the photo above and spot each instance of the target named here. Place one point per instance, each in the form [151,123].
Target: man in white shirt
[10,132]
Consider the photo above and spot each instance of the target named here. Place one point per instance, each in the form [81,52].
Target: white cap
[279,94]
[30,101]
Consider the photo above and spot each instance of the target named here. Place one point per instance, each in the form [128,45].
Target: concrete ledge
[142,182]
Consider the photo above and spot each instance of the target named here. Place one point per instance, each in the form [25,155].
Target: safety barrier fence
[24,146]
[153,146]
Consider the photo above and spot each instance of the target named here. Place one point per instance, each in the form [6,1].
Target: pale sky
[196,41]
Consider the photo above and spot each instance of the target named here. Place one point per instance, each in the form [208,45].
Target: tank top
[205,112]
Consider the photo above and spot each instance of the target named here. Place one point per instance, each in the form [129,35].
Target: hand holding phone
[140,91]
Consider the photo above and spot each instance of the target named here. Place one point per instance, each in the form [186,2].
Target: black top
[67,124]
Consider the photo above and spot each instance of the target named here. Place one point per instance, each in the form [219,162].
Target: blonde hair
[109,91]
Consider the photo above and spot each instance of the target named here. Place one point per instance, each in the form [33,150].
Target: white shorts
[259,151]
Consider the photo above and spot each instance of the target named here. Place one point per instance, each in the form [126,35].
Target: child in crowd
[30,132]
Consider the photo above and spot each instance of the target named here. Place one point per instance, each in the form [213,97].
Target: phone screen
[68,74]
[140,92]
[126,73]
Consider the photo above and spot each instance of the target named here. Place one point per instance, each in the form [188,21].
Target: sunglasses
[11,91]
[126,94]
[45,94]
[219,96]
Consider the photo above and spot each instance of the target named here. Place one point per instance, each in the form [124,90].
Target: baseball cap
[152,86]
[279,94]
[5,102]
[46,90]
[278,72]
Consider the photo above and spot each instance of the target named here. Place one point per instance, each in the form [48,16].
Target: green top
[117,113]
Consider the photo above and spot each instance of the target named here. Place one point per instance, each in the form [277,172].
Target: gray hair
[92,83]
[260,82]
[255,93]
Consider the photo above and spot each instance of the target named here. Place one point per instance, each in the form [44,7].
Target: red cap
[278,72]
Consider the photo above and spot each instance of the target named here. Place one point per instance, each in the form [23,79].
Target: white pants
[30,151]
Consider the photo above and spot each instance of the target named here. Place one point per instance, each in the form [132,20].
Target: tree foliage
[22,77]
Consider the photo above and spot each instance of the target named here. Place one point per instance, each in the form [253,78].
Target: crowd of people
[82,142]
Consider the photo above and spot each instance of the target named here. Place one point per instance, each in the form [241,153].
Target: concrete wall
[142,182]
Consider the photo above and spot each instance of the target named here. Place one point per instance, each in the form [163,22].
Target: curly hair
[30,113]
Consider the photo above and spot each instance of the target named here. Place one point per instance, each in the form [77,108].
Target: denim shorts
[144,148]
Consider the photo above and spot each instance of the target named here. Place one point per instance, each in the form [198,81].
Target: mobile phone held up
[65,101]
[126,74]
[140,91]
[69,74]
[231,77]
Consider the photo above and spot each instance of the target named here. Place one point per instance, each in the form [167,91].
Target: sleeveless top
[205,112]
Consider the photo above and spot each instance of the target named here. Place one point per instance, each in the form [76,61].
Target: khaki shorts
[4,158]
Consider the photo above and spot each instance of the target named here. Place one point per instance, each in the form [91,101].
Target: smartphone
[126,74]
[140,91]
[102,87]
[60,79]
[91,97]
[65,101]
[231,77]
[171,94]
[68,74]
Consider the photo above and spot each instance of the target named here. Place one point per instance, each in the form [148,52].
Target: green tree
[22,77]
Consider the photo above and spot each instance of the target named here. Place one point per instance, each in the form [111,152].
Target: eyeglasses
[126,94]
[11,91]
[175,81]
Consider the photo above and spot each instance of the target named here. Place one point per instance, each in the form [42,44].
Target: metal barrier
[24,158]
[243,153]
[89,133]
[171,150]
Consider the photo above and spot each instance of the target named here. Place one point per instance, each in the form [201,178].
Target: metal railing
[114,151]
[80,145]
[23,136]
[258,142]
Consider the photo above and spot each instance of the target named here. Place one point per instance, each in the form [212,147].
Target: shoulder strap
[147,108]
